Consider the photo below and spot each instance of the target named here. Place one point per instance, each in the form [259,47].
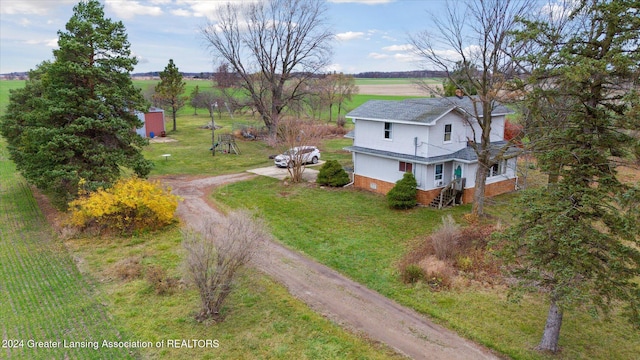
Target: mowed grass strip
[43,297]
[356,233]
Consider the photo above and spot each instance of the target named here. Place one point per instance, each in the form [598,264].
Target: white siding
[497,129]
[430,142]
[377,168]
[437,145]
[370,134]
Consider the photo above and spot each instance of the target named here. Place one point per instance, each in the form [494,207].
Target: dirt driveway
[342,300]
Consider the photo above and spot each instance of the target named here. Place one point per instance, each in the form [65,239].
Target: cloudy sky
[371,35]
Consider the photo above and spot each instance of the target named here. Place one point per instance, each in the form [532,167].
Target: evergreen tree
[332,174]
[169,90]
[459,79]
[75,116]
[404,194]
[578,239]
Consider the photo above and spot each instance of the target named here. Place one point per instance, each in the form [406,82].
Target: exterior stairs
[449,195]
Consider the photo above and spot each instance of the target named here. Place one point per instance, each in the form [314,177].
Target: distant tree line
[362,75]
[401,74]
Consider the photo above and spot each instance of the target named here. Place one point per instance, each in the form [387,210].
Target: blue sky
[371,35]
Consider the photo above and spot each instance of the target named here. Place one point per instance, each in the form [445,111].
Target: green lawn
[351,231]
[355,233]
[263,319]
[190,152]
[43,296]
[5,87]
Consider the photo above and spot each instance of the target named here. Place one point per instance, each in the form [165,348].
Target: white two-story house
[428,137]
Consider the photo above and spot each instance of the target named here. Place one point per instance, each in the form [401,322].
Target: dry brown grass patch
[452,256]
[127,269]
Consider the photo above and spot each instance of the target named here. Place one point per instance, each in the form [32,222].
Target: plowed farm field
[48,310]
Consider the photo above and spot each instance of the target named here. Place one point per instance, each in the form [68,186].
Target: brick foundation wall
[425,197]
[366,183]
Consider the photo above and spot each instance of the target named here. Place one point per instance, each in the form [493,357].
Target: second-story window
[447,133]
[388,128]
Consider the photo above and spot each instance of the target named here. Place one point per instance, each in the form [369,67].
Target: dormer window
[447,133]
[388,128]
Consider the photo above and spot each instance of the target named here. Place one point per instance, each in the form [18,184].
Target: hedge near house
[404,194]
[332,174]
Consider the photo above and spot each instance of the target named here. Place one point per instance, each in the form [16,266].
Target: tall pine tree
[75,116]
[579,239]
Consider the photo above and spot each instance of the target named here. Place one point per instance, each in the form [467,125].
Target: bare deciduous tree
[295,132]
[216,255]
[480,35]
[272,45]
[333,89]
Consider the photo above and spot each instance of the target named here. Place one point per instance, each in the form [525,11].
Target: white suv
[304,154]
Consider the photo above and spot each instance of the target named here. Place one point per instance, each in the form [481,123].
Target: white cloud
[334,67]
[52,43]
[181,12]
[201,8]
[141,60]
[33,7]
[129,9]
[377,56]
[559,10]
[406,57]
[24,22]
[404,47]
[349,35]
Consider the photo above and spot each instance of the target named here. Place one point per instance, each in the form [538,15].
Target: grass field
[50,291]
[263,320]
[362,239]
[355,233]
[204,85]
[43,296]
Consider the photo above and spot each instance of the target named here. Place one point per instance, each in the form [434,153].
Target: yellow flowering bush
[132,204]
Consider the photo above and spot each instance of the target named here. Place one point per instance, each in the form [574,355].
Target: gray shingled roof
[466,154]
[421,110]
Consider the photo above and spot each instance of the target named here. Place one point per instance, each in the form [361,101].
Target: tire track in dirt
[340,299]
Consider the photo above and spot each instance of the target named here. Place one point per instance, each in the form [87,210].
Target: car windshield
[290,152]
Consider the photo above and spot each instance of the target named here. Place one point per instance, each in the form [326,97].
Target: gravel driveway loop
[331,294]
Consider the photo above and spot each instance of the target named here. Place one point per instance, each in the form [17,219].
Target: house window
[498,169]
[447,133]
[387,130]
[439,168]
[405,167]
